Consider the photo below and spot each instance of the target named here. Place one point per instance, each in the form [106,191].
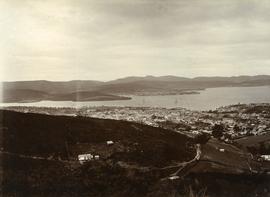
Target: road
[186,164]
[36,157]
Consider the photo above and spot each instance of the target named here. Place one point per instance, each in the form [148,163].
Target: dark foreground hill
[39,158]
[65,137]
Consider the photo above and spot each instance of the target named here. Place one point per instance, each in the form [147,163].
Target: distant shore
[31,96]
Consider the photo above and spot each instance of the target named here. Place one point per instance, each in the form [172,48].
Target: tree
[236,128]
[218,130]
[202,138]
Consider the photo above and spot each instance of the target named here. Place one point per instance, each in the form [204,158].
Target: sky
[64,40]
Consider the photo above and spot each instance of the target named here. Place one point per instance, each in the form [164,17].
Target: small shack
[85,157]
[265,157]
[109,143]
[222,150]
[174,177]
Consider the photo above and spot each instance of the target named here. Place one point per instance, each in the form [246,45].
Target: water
[208,99]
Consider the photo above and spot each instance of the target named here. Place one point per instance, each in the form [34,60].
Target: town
[234,121]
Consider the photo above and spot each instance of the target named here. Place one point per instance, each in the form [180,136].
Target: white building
[222,150]
[85,157]
[265,157]
[174,177]
[110,142]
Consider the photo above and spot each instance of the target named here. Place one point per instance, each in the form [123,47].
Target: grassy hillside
[39,155]
[42,135]
[39,158]
[256,144]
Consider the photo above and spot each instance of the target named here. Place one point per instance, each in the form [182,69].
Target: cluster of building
[67,111]
[144,115]
[244,120]
[85,157]
[237,120]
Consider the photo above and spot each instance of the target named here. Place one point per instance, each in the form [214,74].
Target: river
[208,99]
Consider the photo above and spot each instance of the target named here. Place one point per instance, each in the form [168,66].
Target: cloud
[98,39]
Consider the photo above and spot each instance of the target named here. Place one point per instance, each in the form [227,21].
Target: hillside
[39,155]
[149,85]
[28,95]
[42,135]
[53,87]
[148,78]
[39,158]
[86,96]
[178,85]
[23,95]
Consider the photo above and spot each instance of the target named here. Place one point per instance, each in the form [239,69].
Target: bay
[208,99]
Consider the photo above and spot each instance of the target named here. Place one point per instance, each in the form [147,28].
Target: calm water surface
[208,99]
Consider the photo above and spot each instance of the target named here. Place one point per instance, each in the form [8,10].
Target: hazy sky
[108,39]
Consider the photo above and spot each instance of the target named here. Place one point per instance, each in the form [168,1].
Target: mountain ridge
[148,77]
[134,85]
[28,95]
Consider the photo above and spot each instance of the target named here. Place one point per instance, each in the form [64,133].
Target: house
[174,177]
[85,157]
[96,157]
[222,150]
[110,142]
[265,157]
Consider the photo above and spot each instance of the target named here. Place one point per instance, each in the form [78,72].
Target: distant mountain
[86,96]
[23,95]
[53,86]
[148,85]
[148,78]
[173,85]
[28,95]
[235,79]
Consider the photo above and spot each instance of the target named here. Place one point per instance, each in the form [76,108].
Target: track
[185,165]
[36,157]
